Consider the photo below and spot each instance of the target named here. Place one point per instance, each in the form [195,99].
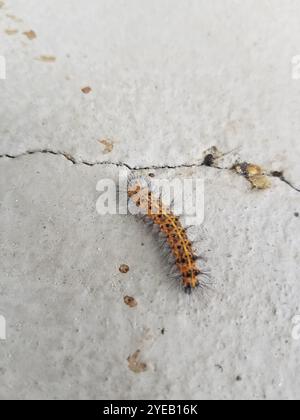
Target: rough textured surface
[168,80]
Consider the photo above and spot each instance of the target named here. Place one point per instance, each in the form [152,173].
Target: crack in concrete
[281,176]
[71,159]
[204,162]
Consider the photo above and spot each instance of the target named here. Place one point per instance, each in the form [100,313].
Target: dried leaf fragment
[261,182]
[255,175]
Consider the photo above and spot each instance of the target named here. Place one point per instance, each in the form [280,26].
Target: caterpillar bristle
[171,258]
[188,289]
[206,276]
[165,249]
[205,273]
[156,230]
[174,270]
[189,227]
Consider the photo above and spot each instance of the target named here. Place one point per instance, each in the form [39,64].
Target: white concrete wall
[169,79]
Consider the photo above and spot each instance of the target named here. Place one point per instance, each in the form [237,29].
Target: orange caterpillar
[172,231]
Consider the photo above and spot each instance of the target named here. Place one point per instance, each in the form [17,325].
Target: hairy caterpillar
[172,232]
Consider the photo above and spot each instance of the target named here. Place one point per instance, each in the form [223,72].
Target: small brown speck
[134,363]
[86,90]
[296,214]
[130,301]
[47,58]
[108,146]
[152,175]
[11,31]
[30,35]
[238,378]
[124,269]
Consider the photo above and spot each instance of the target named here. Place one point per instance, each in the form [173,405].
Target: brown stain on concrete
[47,58]
[108,146]
[31,35]
[135,364]
[11,32]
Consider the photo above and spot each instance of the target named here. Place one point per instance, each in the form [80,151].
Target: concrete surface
[169,80]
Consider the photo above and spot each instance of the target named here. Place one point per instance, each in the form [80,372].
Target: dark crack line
[282,178]
[67,156]
[290,184]
[71,159]
[205,162]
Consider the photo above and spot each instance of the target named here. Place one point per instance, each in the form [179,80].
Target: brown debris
[108,146]
[260,182]
[47,58]
[134,363]
[11,31]
[130,301]
[255,175]
[30,35]
[86,90]
[124,269]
